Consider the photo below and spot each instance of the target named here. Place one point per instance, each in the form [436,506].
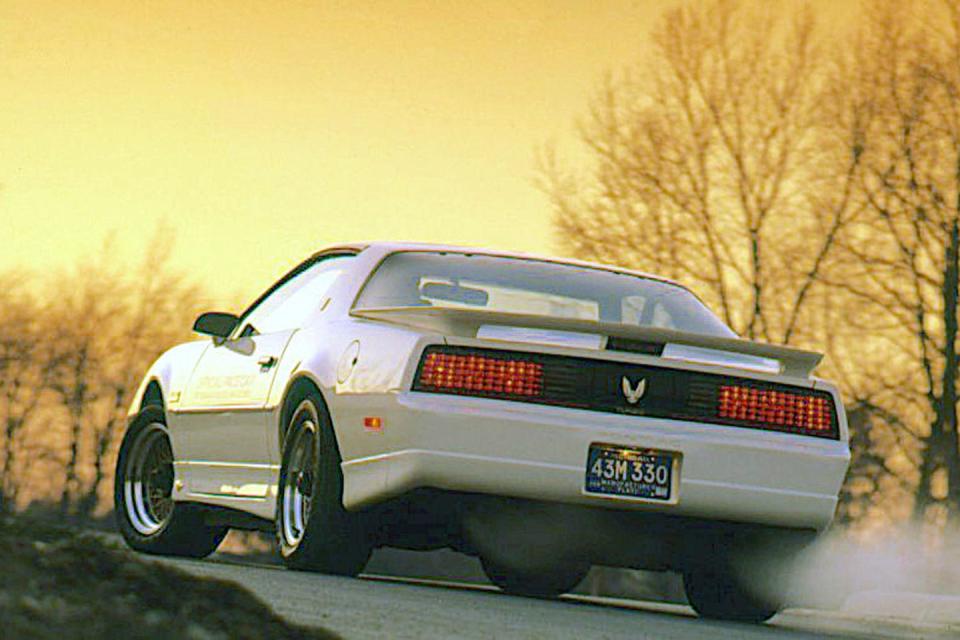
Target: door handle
[266,362]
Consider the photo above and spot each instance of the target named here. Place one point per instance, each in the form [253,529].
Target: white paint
[530,335]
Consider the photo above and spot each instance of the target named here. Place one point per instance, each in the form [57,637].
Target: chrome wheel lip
[296,498]
[149,505]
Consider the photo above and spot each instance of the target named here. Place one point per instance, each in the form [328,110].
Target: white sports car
[545,415]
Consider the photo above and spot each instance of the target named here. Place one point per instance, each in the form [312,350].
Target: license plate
[633,473]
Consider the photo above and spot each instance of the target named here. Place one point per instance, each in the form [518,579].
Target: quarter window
[290,305]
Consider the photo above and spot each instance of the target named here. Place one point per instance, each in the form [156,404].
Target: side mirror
[216,323]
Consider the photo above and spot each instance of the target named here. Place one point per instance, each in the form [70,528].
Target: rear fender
[347,361]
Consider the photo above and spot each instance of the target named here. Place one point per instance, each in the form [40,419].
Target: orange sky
[261,131]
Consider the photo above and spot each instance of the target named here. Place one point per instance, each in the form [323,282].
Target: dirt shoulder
[57,584]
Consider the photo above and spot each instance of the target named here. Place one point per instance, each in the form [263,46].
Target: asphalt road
[381,607]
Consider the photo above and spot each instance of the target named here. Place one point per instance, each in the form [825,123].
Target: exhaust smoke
[907,572]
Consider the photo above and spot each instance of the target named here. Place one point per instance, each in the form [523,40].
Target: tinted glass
[516,285]
[292,303]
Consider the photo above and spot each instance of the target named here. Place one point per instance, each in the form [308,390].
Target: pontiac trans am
[544,415]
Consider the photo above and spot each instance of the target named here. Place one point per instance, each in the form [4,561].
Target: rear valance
[467,322]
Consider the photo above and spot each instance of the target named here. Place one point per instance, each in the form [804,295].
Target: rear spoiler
[796,363]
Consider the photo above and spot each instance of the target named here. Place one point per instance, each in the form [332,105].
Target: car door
[222,433]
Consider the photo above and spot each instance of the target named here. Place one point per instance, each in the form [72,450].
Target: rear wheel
[718,592]
[147,516]
[314,531]
[545,583]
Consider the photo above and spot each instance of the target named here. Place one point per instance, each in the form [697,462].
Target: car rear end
[568,415]
[596,387]
[554,424]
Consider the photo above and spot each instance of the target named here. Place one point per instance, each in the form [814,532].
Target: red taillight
[473,374]
[800,411]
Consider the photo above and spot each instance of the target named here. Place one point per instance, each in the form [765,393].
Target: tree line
[804,179]
[73,348]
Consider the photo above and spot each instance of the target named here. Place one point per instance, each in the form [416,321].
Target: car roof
[386,248]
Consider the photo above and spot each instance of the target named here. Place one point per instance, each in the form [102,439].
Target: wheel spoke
[148,481]
[297,491]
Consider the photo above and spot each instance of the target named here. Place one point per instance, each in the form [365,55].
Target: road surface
[381,607]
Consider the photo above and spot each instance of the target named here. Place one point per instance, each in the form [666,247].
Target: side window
[291,304]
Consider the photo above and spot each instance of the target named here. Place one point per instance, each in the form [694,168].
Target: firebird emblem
[632,394]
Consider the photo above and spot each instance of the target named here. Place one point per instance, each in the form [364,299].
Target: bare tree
[87,306]
[115,322]
[708,165]
[902,257]
[161,306]
[23,375]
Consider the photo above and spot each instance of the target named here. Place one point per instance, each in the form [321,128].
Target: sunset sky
[261,131]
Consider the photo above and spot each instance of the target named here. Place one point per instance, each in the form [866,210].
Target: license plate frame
[620,464]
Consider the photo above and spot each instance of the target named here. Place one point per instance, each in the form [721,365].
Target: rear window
[535,287]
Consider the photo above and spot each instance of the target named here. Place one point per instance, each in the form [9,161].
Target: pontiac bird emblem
[632,394]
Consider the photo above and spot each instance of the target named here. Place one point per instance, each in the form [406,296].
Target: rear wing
[796,363]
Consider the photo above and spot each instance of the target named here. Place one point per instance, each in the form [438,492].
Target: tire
[314,531]
[147,516]
[717,592]
[549,583]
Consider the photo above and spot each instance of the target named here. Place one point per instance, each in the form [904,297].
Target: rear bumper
[539,453]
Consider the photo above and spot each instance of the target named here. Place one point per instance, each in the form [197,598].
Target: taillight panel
[800,411]
[596,385]
[481,374]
